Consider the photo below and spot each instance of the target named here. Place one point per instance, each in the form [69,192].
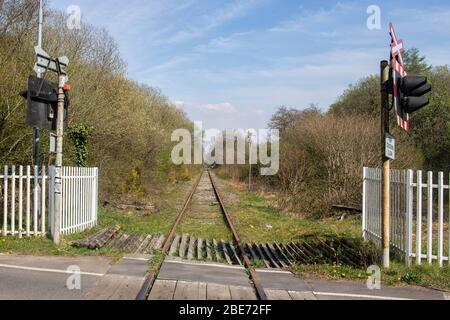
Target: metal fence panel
[407,203]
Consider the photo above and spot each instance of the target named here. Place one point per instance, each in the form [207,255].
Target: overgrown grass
[131,222]
[257,220]
[398,275]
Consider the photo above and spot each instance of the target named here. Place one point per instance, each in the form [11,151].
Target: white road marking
[205,264]
[135,259]
[363,296]
[6,266]
[273,271]
[446,296]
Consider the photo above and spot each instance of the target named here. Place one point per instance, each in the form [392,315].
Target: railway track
[204,205]
[174,244]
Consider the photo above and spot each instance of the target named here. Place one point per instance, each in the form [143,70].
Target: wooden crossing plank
[208,250]
[128,289]
[163,290]
[103,289]
[276,255]
[271,257]
[133,244]
[236,256]
[262,257]
[143,244]
[218,292]
[285,254]
[299,253]
[118,240]
[191,248]
[202,291]
[216,251]
[174,245]
[200,249]
[187,291]
[252,252]
[278,295]
[152,244]
[183,245]
[159,243]
[225,253]
[125,243]
[242,293]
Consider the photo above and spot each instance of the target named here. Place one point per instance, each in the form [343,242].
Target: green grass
[258,221]
[130,222]
[205,222]
[254,217]
[432,276]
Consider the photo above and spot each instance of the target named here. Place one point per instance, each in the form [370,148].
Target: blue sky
[231,63]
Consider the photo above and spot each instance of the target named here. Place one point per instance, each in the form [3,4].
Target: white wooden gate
[419,229]
[26,197]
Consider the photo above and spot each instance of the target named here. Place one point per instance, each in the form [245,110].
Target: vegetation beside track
[131,222]
[432,277]
[254,216]
[256,221]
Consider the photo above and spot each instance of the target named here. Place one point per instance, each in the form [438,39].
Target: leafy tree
[414,62]
[360,99]
[285,117]
[431,125]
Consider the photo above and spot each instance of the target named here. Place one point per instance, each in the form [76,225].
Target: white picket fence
[27,200]
[22,202]
[416,233]
[79,199]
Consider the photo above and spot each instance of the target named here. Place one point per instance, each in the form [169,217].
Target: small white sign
[390,147]
[52,143]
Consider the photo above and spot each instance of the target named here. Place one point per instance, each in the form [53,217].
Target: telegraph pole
[386,161]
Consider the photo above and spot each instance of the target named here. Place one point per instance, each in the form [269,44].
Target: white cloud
[309,21]
[222,44]
[224,107]
[214,20]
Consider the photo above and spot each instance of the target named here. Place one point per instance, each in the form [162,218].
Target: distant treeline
[322,154]
[114,123]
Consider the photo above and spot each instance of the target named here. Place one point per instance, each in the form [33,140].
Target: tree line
[322,153]
[114,123]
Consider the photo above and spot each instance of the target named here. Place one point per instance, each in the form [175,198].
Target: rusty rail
[150,280]
[259,289]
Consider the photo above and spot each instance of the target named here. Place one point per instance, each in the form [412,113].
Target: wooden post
[386,162]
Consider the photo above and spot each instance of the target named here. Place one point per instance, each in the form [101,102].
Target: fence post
[430,218]
[409,216]
[20,202]
[43,197]
[5,202]
[441,218]
[51,202]
[364,205]
[419,219]
[13,200]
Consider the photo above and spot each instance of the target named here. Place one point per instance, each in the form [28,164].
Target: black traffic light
[412,93]
[42,103]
